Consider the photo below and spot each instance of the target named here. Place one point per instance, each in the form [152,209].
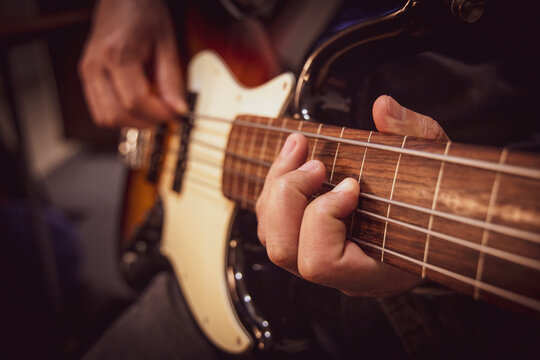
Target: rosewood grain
[427,216]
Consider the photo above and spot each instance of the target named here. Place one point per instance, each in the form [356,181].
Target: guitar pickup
[157,153]
[186,125]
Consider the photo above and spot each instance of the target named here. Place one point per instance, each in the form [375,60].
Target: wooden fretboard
[465,216]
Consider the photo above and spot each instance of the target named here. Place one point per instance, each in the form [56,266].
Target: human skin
[308,239]
[128,37]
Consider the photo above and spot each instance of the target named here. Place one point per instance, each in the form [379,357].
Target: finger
[131,85]
[391,117]
[292,155]
[103,102]
[168,75]
[325,256]
[92,101]
[289,195]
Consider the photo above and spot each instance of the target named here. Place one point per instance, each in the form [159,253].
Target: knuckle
[104,121]
[429,127]
[132,104]
[107,121]
[86,66]
[111,119]
[424,127]
[313,269]
[281,257]
[112,52]
[282,187]
[315,210]
[437,130]
[119,53]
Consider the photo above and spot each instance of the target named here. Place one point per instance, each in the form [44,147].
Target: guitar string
[475,163]
[506,294]
[510,169]
[502,229]
[511,257]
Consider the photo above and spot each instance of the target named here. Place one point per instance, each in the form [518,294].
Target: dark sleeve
[157,326]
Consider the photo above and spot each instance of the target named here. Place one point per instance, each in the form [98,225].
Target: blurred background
[61,172]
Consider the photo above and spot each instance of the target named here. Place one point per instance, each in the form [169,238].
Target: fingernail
[181,107]
[394,109]
[309,166]
[178,105]
[289,145]
[342,186]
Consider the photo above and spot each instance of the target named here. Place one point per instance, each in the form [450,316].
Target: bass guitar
[464,216]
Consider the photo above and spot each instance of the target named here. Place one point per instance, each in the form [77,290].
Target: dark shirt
[480,84]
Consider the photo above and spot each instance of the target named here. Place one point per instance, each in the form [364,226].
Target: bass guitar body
[191,224]
[478,205]
[185,210]
[197,218]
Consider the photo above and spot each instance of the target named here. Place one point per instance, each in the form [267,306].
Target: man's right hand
[129,36]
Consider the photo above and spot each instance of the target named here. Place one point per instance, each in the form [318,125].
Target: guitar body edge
[198,219]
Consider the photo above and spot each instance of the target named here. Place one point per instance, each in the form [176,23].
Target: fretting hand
[127,37]
[308,239]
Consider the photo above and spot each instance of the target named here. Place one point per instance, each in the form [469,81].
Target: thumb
[170,82]
[390,117]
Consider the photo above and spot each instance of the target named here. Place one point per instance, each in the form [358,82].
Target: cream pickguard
[197,220]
